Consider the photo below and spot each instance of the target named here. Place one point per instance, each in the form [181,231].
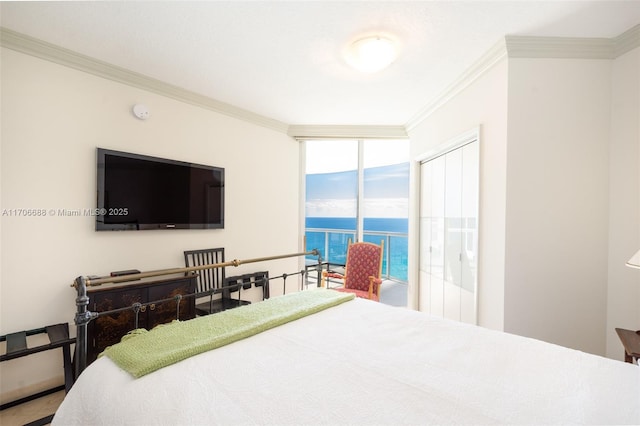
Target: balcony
[332,245]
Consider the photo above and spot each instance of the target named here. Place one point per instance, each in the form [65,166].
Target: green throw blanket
[142,352]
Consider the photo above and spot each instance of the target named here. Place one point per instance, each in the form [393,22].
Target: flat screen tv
[138,192]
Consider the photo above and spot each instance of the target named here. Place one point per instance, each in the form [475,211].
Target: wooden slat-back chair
[209,280]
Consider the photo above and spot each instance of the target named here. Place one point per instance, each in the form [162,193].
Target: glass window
[337,212]
[386,201]
[331,204]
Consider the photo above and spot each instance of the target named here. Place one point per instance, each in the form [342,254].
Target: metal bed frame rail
[84,315]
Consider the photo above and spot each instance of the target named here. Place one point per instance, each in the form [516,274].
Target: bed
[357,362]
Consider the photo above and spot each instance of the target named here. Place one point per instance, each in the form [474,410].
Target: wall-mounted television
[139,192]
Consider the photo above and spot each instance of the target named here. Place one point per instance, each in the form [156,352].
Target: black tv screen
[138,192]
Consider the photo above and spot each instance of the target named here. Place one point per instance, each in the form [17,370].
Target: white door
[426,223]
[436,246]
[469,242]
[449,187]
[452,233]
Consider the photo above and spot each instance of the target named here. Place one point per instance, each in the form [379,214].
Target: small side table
[631,342]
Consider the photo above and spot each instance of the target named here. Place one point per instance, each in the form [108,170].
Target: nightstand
[631,342]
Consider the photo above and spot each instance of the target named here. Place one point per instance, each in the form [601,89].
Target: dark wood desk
[631,342]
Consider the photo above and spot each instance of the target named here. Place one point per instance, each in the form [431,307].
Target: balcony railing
[332,244]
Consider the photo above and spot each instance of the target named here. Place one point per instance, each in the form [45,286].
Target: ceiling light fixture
[371,54]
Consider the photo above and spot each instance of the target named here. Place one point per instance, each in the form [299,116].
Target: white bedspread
[365,363]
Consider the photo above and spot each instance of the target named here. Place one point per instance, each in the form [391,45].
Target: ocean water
[330,235]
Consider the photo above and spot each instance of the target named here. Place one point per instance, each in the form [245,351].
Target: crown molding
[508,47]
[559,47]
[50,52]
[573,48]
[534,47]
[627,41]
[306,132]
[487,61]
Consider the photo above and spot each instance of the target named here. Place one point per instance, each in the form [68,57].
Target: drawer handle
[152,306]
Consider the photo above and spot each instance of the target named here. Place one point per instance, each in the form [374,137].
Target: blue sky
[380,182]
[386,192]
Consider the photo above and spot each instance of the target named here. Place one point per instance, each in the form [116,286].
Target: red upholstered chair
[363,270]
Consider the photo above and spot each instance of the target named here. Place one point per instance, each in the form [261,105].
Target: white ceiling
[283,59]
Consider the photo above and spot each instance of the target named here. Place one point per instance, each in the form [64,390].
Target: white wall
[623,296]
[557,201]
[53,118]
[482,103]
[560,195]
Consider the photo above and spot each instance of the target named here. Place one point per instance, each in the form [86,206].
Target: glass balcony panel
[338,242]
[316,240]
